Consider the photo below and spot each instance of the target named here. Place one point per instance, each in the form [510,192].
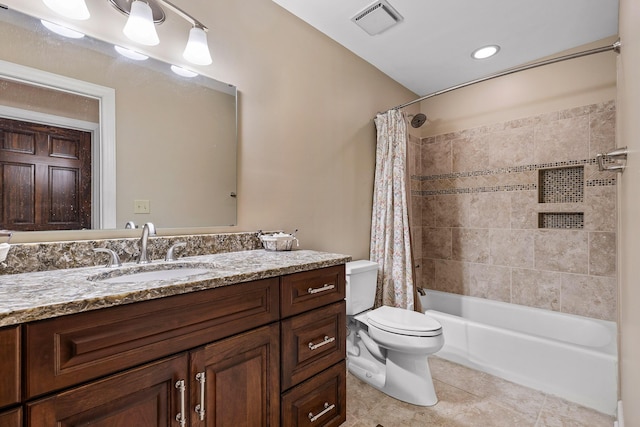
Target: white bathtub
[569,356]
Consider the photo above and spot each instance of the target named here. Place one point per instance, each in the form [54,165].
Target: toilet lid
[404,322]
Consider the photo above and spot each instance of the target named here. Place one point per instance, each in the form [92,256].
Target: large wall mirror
[163,147]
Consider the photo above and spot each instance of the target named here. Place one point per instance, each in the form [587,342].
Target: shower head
[418,120]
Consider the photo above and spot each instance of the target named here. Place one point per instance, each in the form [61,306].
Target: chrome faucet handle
[171,252]
[130,225]
[114,259]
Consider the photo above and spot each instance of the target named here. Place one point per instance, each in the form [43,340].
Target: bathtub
[568,356]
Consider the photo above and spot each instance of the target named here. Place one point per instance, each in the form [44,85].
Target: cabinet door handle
[200,377]
[327,408]
[181,417]
[324,288]
[326,341]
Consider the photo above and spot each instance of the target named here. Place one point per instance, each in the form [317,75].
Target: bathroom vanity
[259,340]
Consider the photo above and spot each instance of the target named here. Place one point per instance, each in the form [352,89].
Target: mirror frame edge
[105,169]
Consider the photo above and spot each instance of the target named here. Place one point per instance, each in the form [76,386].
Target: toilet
[387,347]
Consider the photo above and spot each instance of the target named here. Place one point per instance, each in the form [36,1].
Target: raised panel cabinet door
[9,366]
[11,418]
[148,396]
[241,385]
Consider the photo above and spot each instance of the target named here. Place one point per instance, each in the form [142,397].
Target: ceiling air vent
[377,17]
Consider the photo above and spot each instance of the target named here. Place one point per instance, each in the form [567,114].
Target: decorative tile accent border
[505,171]
[562,185]
[513,169]
[563,220]
[518,187]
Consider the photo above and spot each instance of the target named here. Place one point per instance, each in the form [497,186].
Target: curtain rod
[615,47]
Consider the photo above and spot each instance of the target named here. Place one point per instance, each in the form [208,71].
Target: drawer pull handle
[327,408]
[181,418]
[200,377]
[324,288]
[326,341]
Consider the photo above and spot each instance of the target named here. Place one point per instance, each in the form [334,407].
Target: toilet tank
[362,278]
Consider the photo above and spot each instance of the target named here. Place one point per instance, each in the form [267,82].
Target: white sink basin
[156,275]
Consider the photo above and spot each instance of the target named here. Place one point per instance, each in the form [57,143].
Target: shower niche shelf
[561,185]
[561,220]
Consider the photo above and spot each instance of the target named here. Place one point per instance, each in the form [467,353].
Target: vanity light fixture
[140,27]
[73,9]
[62,31]
[131,54]
[183,71]
[145,14]
[485,52]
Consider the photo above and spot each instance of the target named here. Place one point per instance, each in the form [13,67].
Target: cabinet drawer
[68,350]
[311,342]
[311,289]
[11,418]
[320,401]
[9,366]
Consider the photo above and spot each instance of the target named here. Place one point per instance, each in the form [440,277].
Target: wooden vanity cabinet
[214,357]
[313,348]
[10,376]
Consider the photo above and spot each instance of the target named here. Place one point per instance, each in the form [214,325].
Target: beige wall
[48,101]
[306,134]
[583,81]
[629,135]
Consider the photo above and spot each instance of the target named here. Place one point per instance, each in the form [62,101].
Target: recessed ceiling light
[62,31]
[183,71]
[485,52]
[131,54]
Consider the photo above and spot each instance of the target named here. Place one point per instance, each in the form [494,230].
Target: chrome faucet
[114,259]
[171,252]
[148,230]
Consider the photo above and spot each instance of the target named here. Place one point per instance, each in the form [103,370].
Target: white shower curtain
[390,236]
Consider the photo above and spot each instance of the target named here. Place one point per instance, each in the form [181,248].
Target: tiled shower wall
[477,212]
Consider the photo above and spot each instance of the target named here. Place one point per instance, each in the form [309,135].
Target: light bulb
[197,49]
[140,27]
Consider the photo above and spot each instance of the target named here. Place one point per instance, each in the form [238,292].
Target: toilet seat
[403,322]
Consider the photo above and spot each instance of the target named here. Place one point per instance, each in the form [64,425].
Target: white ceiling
[430,49]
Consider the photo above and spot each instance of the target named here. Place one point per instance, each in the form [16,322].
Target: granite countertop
[41,295]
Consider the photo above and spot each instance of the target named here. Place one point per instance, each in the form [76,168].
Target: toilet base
[405,377]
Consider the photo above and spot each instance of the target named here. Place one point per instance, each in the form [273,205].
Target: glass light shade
[73,9]
[140,27]
[63,31]
[183,71]
[131,54]
[197,50]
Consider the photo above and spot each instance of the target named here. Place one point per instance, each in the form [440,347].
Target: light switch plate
[141,207]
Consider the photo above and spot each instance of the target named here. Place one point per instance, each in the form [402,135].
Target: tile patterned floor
[467,398]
